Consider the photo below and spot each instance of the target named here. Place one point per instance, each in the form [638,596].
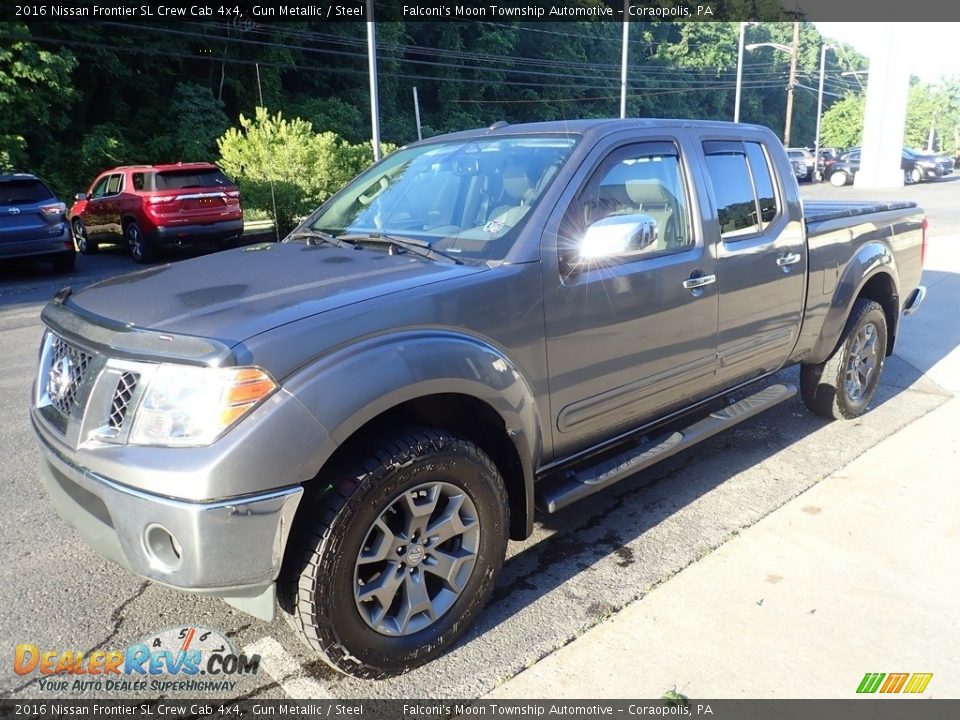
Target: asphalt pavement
[581,566]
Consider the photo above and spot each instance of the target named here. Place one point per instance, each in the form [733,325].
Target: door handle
[697,282]
[788,259]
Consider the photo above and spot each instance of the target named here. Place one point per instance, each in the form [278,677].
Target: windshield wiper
[421,248]
[312,236]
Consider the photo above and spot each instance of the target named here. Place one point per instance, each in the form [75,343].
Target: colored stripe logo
[912,683]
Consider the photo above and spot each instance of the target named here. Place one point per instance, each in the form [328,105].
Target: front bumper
[230,548]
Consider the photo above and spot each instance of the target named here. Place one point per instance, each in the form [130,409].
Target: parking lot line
[286,670]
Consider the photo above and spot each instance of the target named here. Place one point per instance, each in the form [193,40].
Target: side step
[587,481]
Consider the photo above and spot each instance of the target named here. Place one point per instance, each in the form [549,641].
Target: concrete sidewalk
[860,573]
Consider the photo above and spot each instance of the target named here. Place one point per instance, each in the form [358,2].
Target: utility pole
[794,51]
[416,111]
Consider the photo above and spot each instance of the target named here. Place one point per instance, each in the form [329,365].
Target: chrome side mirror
[618,236]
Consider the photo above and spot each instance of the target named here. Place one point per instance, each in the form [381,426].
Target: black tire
[839,178]
[916,175]
[140,250]
[64,263]
[841,387]
[321,585]
[85,245]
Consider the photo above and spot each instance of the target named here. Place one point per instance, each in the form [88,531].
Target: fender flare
[870,261]
[357,383]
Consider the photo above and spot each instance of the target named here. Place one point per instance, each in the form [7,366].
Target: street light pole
[374,95]
[736,101]
[624,56]
[816,141]
[794,50]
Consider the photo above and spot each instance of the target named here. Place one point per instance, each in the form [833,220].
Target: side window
[100,187]
[763,182]
[742,183]
[634,204]
[736,204]
[138,182]
[113,185]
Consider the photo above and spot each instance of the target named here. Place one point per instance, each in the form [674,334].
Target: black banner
[181,709]
[249,11]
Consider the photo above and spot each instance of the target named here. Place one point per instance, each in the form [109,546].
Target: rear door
[630,330]
[194,196]
[761,258]
[28,210]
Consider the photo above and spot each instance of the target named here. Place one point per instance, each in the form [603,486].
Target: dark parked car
[147,206]
[842,171]
[928,166]
[350,425]
[33,222]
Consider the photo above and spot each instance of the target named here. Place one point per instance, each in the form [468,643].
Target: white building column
[886,111]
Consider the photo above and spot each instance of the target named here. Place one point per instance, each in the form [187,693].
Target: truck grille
[126,386]
[67,368]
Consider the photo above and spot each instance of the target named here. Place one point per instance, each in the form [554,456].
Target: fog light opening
[162,549]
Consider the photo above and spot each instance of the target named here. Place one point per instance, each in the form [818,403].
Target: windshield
[466,198]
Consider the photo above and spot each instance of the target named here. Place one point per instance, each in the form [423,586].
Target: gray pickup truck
[352,423]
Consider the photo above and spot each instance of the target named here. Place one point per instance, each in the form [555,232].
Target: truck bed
[816,211]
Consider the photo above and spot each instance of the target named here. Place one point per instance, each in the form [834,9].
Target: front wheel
[843,385]
[916,175]
[392,559]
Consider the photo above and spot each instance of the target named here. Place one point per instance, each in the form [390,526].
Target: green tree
[35,94]
[197,120]
[285,163]
[842,124]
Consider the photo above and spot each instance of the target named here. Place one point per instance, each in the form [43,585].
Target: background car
[808,160]
[927,166]
[842,171]
[33,222]
[147,206]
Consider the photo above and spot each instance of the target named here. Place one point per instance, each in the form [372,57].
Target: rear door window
[113,184]
[185,179]
[742,183]
[23,192]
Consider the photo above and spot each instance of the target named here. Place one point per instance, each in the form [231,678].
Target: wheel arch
[441,380]
[871,274]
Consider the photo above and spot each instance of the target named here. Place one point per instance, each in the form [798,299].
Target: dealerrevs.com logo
[185,659]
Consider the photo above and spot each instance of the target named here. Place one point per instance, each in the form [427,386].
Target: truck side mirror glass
[618,236]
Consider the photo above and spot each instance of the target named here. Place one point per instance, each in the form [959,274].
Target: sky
[928,48]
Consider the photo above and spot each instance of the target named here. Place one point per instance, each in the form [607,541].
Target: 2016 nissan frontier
[350,424]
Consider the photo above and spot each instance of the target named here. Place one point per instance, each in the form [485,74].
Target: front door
[630,299]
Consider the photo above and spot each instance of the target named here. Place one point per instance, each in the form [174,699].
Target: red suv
[152,205]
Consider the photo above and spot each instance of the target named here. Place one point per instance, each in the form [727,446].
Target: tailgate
[28,211]
[187,197]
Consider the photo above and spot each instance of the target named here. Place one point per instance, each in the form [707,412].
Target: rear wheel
[139,249]
[839,179]
[393,559]
[84,244]
[843,385]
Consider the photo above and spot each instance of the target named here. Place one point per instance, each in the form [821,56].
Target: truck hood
[234,295]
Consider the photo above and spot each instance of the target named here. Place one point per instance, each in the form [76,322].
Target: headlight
[186,405]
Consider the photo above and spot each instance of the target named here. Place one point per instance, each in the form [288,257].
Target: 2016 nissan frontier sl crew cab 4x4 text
[351,424]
